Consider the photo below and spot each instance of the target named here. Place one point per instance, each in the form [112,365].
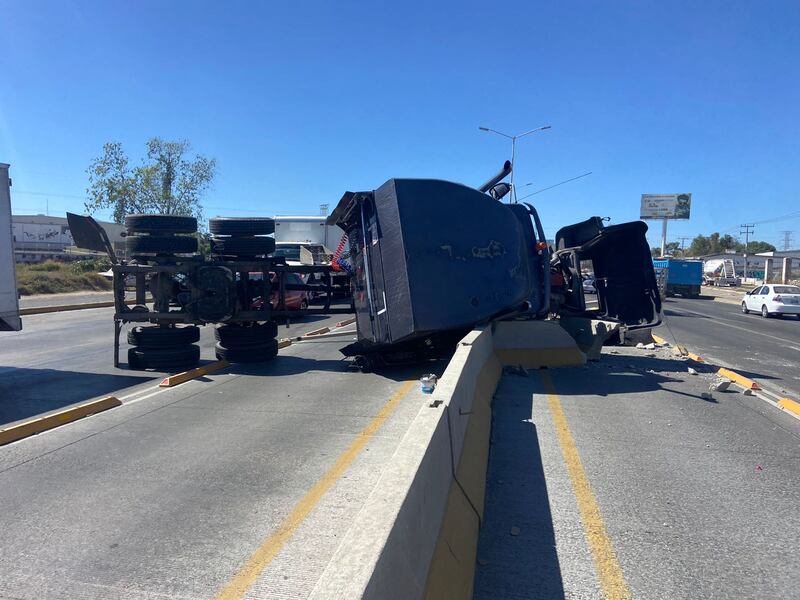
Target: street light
[514,139]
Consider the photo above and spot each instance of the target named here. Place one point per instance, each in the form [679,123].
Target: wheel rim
[744,307]
[764,312]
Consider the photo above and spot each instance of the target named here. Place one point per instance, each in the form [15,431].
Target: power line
[552,186]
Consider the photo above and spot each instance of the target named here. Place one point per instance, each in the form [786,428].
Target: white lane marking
[723,321]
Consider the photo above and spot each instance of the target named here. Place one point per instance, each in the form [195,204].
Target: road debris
[691,371]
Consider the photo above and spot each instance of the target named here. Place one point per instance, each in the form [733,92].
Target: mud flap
[627,290]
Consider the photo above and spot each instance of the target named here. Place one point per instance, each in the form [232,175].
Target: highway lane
[767,350]
[63,358]
[170,494]
[619,478]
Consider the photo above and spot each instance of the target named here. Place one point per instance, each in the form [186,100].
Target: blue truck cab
[684,277]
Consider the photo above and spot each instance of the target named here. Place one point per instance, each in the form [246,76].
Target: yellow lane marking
[255,565]
[62,417]
[658,338]
[609,572]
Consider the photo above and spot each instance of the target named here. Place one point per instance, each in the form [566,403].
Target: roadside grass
[52,277]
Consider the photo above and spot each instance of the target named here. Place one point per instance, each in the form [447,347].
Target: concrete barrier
[417,534]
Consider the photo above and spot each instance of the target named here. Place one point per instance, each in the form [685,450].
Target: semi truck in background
[681,277]
[300,239]
[9,299]
[720,272]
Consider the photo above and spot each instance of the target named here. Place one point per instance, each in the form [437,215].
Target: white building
[40,237]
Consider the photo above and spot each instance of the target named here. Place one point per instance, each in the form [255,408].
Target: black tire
[248,354]
[764,311]
[231,336]
[744,308]
[160,244]
[164,359]
[160,224]
[235,226]
[163,337]
[243,246]
[304,304]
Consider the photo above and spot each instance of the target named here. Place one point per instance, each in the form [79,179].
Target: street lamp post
[514,139]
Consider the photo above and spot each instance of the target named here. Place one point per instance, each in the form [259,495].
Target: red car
[295,300]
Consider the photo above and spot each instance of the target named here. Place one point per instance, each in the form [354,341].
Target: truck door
[627,290]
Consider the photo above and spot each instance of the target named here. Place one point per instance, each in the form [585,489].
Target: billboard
[665,206]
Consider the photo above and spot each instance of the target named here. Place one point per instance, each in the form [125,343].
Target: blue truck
[683,277]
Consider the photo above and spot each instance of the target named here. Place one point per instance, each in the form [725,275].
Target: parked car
[295,299]
[772,300]
[588,286]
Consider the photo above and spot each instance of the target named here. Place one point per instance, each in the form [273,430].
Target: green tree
[756,247]
[167,182]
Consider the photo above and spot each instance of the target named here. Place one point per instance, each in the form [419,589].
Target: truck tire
[246,226]
[242,246]
[248,353]
[164,359]
[160,224]
[163,337]
[160,244]
[231,336]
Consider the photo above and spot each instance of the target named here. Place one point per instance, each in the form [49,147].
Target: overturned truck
[432,259]
[428,260]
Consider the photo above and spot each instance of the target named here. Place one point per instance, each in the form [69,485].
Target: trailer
[9,298]
[721,273]
[681,277]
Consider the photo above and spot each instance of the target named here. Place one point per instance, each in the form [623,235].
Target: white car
[773,300]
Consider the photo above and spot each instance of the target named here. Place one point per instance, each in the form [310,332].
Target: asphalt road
[172,493]
[767,350]
[620,478]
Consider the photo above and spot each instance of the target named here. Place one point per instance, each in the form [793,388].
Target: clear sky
[300,101]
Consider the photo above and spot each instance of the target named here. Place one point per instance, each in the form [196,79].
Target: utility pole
[746,230]
[787,239]
[683,242]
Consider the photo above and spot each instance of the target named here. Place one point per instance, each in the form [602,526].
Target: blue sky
[299,102]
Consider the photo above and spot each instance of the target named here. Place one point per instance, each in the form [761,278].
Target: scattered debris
[650,346]
[428,383]
[515,530]
[650,354]
[692,371]
[749,392]
[759,468]
[720,385]
[707,396]
[640,345]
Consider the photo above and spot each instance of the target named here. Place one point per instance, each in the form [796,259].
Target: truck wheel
[231,336]
[160,244]
[251,353]
[160,224]
[764,312]
[242,246]
[164,359]
[744,308]
[163,337]
[245,226]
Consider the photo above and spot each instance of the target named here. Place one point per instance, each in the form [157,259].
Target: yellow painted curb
[283,343]
[740,379]
[658,339]
[40,424]
[349,321]
[179,378]
[695,357]
[790,405]
[317,331]
[38,310]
